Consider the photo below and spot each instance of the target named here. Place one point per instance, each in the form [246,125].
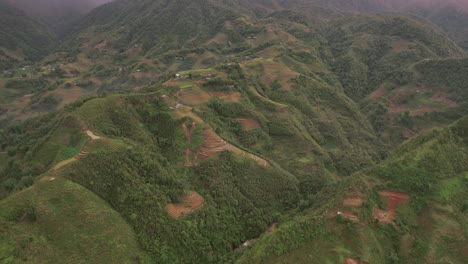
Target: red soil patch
[70,95]
[276,71]
[248,123]
[141,75]
[191,202]
[394,199]
[378,93]
[400,45]
[101,45]
[442,98]
[220,38]
[96,81]
[188,134]
[270,52]
[228,97]
[355,261]
[214,144]
[194,96]
[354,201]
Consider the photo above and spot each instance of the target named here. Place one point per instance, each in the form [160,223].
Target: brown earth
[276,71]
[354,261]
[354,201]
[248,123]
[193,96]
[187,112]
[227,97]
[395,198]
[80,155]
[220,38]
[141,75]
[442,98]
[214,144]
[378,93]
[70,95]
[400,45]
[188,134]
[189,203]
[101,45]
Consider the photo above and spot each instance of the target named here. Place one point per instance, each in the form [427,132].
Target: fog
[50,6]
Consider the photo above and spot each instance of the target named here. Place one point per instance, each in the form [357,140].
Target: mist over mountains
[57,14]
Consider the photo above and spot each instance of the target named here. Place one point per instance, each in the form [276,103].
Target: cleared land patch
[353,201]
[193,96]
[272,71]
[214,144]
[227,97]
[189,203]
[248,123]
[394,199]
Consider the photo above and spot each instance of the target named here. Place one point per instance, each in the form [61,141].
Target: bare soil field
[354,201]
[378,93]
[227,97]
[395,198]
[354,261]
[193,96]
[189,203]
[214,144]
[248,123]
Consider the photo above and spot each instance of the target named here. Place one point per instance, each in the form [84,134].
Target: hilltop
[212,131]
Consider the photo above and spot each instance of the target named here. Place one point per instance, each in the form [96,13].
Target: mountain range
[216,131]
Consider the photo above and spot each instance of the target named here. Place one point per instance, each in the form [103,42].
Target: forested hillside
[428,223]
[216,131]
[21,37]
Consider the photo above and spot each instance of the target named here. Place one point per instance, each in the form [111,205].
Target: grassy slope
[72,225]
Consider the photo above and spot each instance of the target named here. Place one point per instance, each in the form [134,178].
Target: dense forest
[212,131]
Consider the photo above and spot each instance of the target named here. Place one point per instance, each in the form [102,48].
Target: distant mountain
[57,14]
[21,37]
[236,131]
[450,16]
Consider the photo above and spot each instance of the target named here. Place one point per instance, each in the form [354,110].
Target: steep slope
[424,221]
[160,25]
[239,120]
[449,16]
[135,164]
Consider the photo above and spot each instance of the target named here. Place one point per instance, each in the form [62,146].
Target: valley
[212,131]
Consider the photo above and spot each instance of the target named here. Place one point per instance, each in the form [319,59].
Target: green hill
[431,168]
[213,131]
[21,37]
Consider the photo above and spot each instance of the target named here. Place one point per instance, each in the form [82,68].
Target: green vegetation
[20,32]
[282,111]
[53,218]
